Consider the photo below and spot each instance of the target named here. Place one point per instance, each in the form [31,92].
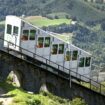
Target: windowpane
[25,35]
[47,42]
[15,30]
[68,56]
[9,29]
[61,48]
[87,63]
[40,42]
[75,55]
[81,62]
[54,49]
[26,32]
[32,34]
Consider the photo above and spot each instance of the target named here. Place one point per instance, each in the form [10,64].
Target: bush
[56,17]
[103,26]
[33,101]
[78,101]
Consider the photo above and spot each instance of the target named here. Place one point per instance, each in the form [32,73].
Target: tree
[103,25]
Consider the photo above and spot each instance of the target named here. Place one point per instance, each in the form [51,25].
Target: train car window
[87,62]
[75,55]
[47,42]
[54,48]
[68,56]
[25,35]
[61,49]
[40,42]
[32,34]
[26,32]
[81,62]
[9,29]
[15,30]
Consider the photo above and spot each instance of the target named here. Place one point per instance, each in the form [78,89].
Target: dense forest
[79,9]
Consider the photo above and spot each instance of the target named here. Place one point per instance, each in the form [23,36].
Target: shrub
[78,101]
[56,17]
[33,101]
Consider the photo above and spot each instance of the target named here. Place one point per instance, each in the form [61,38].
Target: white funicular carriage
[46,44]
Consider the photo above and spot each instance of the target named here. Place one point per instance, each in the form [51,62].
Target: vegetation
[99,6]
[21,97]
[79,9]
[42,21]
[78,101]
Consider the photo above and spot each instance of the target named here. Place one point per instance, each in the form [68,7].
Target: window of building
[9,29]
[54,49]
[40,42]
[32,34]
[68,56]
[15,30]
[81,62]
[47,42]
[75,55]
[87,62]
[61,49]
[25,35]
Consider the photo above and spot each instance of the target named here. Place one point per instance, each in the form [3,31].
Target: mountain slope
[76,8]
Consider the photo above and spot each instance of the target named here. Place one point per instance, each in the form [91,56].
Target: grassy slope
[42,21]
[21,97]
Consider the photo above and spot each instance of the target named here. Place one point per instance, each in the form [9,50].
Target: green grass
[95,88]
[42,21]
[67,37]
[21,97]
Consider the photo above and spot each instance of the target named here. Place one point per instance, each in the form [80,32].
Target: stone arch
[17,78]
[51,87]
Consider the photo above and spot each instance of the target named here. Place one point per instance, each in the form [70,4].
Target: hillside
[17,96]
[43,21]
[64,8]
